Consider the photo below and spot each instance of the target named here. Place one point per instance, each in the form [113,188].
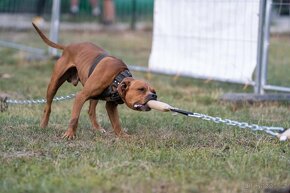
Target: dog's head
[136,94]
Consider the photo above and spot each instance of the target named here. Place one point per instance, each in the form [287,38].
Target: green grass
[166,153]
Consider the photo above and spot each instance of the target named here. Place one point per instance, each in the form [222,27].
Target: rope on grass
[274,131]
[5,101]
[280,132]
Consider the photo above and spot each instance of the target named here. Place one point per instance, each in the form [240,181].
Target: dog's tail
[46,40]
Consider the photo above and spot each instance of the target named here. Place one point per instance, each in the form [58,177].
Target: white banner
[211,39]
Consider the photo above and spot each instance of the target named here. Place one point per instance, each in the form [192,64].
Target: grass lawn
[166,153]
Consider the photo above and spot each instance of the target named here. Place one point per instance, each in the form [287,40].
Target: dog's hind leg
[93,117]
[58,77]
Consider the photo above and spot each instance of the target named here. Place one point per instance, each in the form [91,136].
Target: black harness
[97,60]
[110,93]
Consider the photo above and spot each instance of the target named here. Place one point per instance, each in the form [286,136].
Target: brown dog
[103,77]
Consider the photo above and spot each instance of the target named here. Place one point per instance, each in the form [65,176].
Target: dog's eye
[141,89]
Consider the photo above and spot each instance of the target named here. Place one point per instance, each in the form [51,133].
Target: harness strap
[97,60]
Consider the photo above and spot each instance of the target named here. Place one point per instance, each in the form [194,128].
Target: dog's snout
[153,96]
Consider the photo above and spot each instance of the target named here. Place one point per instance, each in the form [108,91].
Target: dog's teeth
[137,105]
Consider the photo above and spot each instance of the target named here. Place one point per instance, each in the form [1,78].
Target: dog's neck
[112,93]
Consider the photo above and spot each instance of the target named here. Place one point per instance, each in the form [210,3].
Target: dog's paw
[100,129]
[69,135]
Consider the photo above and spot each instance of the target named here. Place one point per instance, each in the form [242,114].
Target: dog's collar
[111,93]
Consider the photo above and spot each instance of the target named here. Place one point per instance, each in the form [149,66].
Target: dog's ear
[124,86]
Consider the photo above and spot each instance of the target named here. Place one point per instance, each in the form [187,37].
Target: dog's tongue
[159,106]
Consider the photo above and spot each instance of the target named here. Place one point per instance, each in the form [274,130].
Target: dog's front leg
[80,99]
[93,117]
[113,114]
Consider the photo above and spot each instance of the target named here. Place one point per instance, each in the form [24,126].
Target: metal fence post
[54,26]
[263,45]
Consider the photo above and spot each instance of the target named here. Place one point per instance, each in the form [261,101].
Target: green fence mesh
[125,9]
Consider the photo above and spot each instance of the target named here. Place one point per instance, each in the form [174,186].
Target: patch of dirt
[20,154]
[5,75]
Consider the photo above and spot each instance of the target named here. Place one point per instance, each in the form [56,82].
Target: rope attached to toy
[280,132]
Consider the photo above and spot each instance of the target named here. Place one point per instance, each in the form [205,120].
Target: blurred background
[125,11]
[132,20]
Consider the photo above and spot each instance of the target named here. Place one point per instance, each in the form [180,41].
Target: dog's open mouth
[144,106]
[141,107]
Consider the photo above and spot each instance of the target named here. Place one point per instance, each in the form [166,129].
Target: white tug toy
[159,106]
[284,136]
